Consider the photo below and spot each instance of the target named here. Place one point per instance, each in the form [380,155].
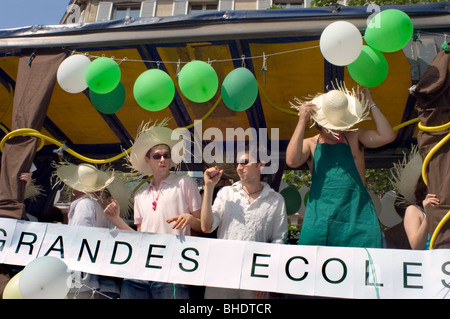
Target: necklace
[248,194]
[155,200]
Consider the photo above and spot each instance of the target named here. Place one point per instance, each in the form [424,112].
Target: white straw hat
[336,110]
[84,177]
[406,174]
[148,137]
[121,193]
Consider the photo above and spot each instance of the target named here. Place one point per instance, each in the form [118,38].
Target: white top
[177,194]
[263,220]
[85,211]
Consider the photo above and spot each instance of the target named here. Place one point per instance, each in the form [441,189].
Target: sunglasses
[243,162]
[158,156]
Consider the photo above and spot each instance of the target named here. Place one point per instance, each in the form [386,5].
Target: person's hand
[180,221]
[365,93]
[112,210]
[25,177]
[431,199]
[305,111]
[212,176]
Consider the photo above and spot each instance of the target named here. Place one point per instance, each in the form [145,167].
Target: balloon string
[178,62]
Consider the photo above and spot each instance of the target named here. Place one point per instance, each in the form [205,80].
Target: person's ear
[261,165]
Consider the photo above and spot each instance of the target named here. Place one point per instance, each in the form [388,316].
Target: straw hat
[148,137]
[84,177]
[405,175]
[338,109]
[87,178]
[121,193]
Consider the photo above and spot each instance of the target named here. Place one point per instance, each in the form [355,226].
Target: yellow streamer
[424,166]
[207,113]
[396,128]
[274,105]
[43,138]
[438,229]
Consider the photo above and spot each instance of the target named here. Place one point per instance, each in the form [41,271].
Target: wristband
[372,107]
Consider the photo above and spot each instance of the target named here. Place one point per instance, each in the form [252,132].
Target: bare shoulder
[353,138]
[412,211]
[353,135]
[311,142]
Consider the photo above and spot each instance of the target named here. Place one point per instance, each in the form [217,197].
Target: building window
[288,4]
[202,7]
[122,12]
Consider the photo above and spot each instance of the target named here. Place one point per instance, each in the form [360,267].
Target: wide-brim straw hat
[405,175]
[149,136]
[121,193]
[338,111]
[84,177]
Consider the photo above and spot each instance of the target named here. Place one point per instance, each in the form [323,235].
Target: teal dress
[340,211]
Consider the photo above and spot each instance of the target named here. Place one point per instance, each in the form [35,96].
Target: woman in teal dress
[339,211]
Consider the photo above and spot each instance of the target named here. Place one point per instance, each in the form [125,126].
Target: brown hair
[420,192]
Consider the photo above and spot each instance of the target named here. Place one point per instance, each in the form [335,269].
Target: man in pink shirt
[170,205]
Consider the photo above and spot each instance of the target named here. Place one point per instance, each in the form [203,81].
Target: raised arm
[206,215]
[112,212]
[383,134]
[415,227]
[297,151]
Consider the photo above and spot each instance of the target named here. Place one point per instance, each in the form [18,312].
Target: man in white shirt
[249,210]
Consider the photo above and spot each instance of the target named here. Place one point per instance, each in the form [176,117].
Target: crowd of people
[340,211]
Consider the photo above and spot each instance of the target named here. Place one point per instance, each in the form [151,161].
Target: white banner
[291,269]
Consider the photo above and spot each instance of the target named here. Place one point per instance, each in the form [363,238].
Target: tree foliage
[377,180]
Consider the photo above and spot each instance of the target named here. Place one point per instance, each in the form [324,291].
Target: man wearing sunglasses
[248,210]
[169,205]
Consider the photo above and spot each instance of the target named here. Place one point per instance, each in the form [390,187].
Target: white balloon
[341,43]
[45,278]
[71,73]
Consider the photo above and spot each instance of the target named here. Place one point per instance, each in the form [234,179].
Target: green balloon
[103,75]
[389,30]
[292,199]
[370,68]
[306,198]
[198,81]
[111,102]
[239,89]
[154,90]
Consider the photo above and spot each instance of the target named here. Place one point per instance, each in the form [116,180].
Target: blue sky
[21,13]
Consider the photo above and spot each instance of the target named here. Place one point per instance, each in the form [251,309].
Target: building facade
[87,11]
